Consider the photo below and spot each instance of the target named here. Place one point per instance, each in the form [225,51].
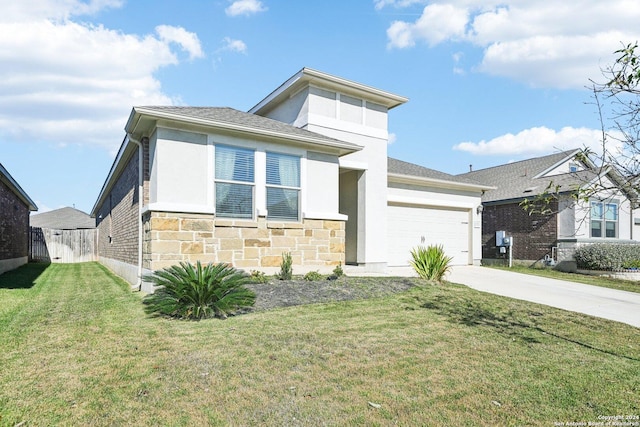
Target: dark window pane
[610,229]
[234,200]
[282,203]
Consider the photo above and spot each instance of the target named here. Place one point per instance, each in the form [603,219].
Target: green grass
[77,349]
[605,282]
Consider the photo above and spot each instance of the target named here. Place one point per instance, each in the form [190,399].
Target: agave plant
[430,263]
[198,292]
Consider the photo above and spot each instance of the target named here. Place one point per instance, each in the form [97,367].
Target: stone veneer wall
[251,245]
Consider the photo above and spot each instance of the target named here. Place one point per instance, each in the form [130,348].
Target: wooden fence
[62,246]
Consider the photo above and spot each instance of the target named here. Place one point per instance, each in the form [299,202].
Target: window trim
[604,206]
[284,187]
[252,184]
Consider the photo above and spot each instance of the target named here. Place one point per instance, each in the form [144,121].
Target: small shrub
[196,292]
[258,277]
[338,272]
[635,264]
[313,276]
[286,269]
[607,256]
[430,263]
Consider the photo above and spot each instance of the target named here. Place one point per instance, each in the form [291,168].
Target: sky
[488,82]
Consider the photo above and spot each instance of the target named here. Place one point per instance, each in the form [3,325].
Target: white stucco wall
[429,196]
[321,193]
[179,169]
[625,218]
[566,218]
[294,111]
[182,175]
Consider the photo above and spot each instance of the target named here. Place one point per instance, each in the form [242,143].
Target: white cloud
[437,23]
[547,44]
[188,41]
[392,138]
[245,7]
[66,82]
[533,141]
[234,45]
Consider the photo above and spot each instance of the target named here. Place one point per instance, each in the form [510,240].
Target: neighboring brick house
[608,217]
[305,171]
[15,207]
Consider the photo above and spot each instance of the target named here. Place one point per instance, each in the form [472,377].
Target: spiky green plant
[431,263]
[286,267]
[198,292]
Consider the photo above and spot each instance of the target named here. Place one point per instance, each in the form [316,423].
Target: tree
[616,164]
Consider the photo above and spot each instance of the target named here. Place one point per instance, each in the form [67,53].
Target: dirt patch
[285,293]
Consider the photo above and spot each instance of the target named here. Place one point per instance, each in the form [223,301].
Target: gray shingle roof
[517,180]
[63,219]
[405,168]
[240,118]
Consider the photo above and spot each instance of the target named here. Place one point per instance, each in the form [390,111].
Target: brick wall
[173,237]
[14,225]
[117,219]
[534,235]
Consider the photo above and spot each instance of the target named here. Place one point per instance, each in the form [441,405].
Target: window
[573,167]
[234,186]
[283,187]
[604,219]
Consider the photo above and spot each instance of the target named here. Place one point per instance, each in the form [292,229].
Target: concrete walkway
[606,303]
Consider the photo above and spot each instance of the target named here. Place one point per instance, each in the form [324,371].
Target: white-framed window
[604,219]
[283,186]
[234,182]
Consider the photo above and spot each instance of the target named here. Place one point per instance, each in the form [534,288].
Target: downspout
[138,285]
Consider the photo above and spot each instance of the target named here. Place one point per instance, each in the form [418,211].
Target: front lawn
[77,349]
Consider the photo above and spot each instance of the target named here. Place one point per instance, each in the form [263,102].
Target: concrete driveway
[612,304]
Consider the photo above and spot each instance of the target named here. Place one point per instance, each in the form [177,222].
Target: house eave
[440,183]
[308,76]
[134,128]
[13,185]
[114,173]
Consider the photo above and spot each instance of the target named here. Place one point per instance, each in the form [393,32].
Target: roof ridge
[566,152]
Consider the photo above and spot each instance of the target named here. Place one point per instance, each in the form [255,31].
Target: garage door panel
[410,226]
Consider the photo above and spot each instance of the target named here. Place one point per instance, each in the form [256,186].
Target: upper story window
[573,167]
[283,187]
[234,182]
[604,219]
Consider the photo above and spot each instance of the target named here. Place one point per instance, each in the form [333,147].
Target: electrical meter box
[500,235]
[506,241]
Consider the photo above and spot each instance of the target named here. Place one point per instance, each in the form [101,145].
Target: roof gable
[531,177]
[310,77]
[66,218]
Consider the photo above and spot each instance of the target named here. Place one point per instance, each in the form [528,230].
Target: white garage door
[410,226]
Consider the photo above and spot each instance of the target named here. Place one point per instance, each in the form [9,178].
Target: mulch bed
[286,293]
